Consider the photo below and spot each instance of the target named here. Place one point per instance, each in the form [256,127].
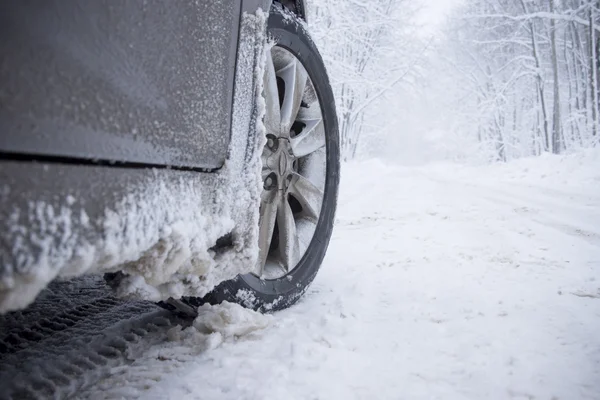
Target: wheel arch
[298,7]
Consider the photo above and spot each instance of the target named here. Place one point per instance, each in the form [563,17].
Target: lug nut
[270,143]
[269,182]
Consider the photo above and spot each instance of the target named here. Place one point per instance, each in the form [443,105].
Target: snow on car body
[131,145]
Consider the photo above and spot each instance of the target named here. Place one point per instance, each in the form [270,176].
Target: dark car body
[112,125]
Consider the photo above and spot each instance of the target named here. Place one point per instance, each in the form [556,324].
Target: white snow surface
[441,282]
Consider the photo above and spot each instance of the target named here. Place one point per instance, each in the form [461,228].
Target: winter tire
[300,164]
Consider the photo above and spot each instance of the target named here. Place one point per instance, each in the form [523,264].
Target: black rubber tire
[272,295]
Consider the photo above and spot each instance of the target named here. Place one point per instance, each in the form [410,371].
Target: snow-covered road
[441,282]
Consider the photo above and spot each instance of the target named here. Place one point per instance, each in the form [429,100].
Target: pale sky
[435,11]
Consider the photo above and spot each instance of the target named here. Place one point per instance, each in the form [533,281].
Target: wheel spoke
[310,139]
[309,196]
[289,247]
[295,77]
[272,113]
[268,214]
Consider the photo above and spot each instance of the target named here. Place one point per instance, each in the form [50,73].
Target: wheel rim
[294,165]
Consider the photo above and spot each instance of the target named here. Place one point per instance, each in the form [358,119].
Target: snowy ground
[441,282]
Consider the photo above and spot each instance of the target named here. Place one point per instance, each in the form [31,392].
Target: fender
[298,7]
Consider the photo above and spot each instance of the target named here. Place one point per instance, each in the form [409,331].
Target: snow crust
[441,282]
[162,234]
[229,319]
[213,326]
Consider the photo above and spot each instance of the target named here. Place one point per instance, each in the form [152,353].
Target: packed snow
[441,282]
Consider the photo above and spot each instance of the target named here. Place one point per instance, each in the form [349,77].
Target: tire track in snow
[557,212]
[49,352]
[585,227]
[38,330]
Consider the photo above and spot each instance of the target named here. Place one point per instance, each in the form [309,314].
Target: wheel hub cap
[278,163]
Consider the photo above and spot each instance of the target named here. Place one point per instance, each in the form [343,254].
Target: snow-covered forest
[498,80]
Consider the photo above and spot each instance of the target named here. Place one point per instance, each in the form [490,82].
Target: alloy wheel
[294,165]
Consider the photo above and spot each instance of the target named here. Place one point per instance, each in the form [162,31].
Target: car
[188,151]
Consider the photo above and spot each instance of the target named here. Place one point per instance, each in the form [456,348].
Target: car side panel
[66,219]
[131,81]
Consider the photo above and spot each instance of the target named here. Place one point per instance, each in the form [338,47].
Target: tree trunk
[593,68]
[556,121]
[539,80]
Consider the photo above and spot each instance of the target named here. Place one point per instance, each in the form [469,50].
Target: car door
[143,82]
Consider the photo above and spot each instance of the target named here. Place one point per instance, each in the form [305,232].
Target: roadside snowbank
[571,170]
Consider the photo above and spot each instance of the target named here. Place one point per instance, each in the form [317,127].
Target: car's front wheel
[300,172]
